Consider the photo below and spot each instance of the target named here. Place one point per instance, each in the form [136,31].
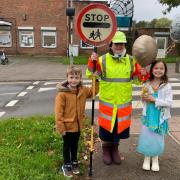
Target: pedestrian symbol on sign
[95,35]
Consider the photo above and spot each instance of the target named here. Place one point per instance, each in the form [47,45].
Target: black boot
[106,148]
[115,154]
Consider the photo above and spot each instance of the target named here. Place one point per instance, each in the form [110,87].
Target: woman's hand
[94,56]
[143,71]
[148,98]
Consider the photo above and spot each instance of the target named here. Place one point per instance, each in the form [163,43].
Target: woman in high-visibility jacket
[117,71]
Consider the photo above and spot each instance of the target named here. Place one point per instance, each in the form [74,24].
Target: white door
[162,46]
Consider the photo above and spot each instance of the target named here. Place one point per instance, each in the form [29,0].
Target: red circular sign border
[81,14]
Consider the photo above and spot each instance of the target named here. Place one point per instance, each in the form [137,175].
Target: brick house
[41,27]
[36,27]
[162,37]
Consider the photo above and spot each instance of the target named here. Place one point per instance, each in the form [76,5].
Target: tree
[162,23]
[142,24]
[153,23]
[170,3]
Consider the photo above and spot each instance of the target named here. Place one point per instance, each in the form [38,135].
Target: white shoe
[146,164]
[155,164]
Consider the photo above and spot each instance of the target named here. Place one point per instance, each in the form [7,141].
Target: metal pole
[68,29]
[177,66]
[71,38]
[92,117]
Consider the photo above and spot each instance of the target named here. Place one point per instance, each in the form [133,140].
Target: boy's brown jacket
[70,107]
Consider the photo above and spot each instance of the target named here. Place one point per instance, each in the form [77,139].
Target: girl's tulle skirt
[150,143]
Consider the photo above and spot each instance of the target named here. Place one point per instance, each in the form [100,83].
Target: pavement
[34,68]
[47,68]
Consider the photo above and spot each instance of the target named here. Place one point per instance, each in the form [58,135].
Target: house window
[85,45]
[161,47]
[26,36]
[49,37]
[5,39]
[161,42]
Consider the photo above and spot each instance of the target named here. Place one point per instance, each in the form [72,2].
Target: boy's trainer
[75,167]
[67,170]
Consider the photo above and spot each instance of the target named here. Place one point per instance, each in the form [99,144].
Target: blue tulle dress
[151,139]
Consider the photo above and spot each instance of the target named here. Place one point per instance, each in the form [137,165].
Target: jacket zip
[77,115]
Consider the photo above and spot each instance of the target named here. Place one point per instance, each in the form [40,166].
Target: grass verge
[171,59]
[83,59]
[31,149]
[79,60]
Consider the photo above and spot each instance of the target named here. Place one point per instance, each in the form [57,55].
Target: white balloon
[175,29]
[144,50]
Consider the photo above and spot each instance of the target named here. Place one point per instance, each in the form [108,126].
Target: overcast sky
[150,9]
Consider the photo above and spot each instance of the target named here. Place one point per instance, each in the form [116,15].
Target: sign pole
[70,31]
[96,25]
[92,117]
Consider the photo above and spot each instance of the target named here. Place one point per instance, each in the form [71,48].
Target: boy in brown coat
[69,115]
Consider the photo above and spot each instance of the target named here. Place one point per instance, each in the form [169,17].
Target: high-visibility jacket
[115,93]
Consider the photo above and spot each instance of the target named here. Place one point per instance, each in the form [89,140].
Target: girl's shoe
[155,164]
[146,164]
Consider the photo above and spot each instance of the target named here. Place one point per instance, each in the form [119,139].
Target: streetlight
[70,12]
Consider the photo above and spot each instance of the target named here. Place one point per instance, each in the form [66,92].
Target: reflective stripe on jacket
[107,111]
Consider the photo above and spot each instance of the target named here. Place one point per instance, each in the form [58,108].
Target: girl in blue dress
[157,101]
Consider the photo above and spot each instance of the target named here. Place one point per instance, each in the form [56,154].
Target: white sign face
[96,24]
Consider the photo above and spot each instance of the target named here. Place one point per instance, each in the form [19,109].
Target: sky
[150,9]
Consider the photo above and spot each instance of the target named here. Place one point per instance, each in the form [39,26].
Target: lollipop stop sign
[96,24]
